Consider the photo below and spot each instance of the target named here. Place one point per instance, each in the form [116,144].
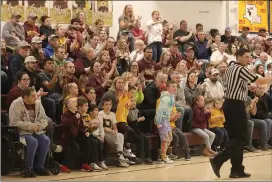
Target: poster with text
[253,14]
[84,6]
[9,8]
[60,13]
[103,11]
[37,7]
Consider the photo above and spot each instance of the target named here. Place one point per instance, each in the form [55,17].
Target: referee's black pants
[236,125]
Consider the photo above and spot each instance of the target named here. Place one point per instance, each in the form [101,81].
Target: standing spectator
[13,33]
[167,36]
[46,30]
[186,39]
[216,41]
[31,30]
[227,37]
[231,50]
[17,60]
[243,37]
[53,43]
[110,47]
[176,56]
[154,35]
[203,50]
[219,55]
[60,31]
[37,51]
[138,33]
[59,56]
[138,53]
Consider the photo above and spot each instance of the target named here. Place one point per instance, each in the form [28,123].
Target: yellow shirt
[172,123]
[122,109]
[62,41]
[213,121]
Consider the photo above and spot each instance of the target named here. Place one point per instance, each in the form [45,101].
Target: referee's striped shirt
[237,80]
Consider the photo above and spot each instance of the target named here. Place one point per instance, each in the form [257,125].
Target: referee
[237,79]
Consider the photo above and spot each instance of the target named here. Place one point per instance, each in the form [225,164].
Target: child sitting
[216,124]
[94,131]
[163,117]
[112,137]
[200,119]
[69,90]
[90,95]
[134,117]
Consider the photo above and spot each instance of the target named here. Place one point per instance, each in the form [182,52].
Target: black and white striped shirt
[237,80]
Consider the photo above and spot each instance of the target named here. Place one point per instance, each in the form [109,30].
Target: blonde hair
[131,17]
[119,44]
[99,59]
[86,49]
[113,85]
[125,75]
[66,101]
[155,11]
[67,89]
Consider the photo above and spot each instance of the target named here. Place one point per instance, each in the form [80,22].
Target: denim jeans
[222,137]
[250,126]
[179,121]
[156,50]
[262,126]
[36,148]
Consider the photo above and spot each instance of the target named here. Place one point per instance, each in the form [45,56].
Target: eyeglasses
[25,79]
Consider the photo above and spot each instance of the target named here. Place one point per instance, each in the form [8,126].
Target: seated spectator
[13,33]
[87,32]
[83,63]
[136,76]
[83,82]
[227,37]
[206,74]
[112,136]
[191,90]
[219,55]
[216,42]
[68,77]
[243,37]
[222,67]
[185,39]
[73,43]
[236,42]
[138,53]
[122,56]
[263,60]
[165,63]
[212,87]
[102,39]
[154,35]
[259,70]
[231,51]
[59,57]
[116,89]
[138,33]
[97,81]
[31,69]
[182,70]
[176,56]
[5,57]
[99,25]
[203,50]
[90,95]
[31,30]
[257,50]
[201,116]
[94,43]
[167,35]
[190,59]
[147,65]
[216,125]
[49,50]
[108,66]
[46,30]
[110,47]
[60,31]
[17,60]
[27,113]
[267,43]
[37,51]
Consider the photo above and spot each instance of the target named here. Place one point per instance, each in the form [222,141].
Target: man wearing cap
[262,32]
[176,56]
[13,32]
[53,43]
[243,37]
[30,68]
[190,59]
[212,87]
[36,50]
[31,30]
[16,62]
[227,37]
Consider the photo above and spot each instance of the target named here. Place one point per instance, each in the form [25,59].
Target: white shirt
[154,32]
[217,57]
[138,58]
[108,119]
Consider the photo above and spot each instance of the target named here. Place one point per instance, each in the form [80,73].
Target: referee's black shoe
[215,167]
[240,175]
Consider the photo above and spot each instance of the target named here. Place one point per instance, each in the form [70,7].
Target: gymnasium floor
[258,164]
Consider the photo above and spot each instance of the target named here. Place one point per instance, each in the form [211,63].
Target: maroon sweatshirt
[13,94]
[200,119]
[30,31]
[71,123]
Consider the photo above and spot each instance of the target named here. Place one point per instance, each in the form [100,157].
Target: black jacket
[263,107]
[151,95]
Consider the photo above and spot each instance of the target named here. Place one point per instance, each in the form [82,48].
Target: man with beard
[222,67]
[13,32]
[213,88]
[147,65]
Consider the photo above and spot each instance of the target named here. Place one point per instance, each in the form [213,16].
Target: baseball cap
[24,44]
[245,28]
[30,59]
[15,15]
[32,15]
[228,29]
[190,48]
[124,32]
[36,40]
[52,36]
[214,71]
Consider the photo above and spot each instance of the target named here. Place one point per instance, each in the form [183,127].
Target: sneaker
[42,172]
[130,162]
[86,168]
[172,157]
[265,148]
[250,149]
[95,167]
[187,157]
[32,174]
[128,153]
[64,169]
[166,161]
[137,160]
[103,165]
[120,156]
[121,163]
[148,161]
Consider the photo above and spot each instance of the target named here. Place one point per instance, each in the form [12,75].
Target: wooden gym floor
[258,164]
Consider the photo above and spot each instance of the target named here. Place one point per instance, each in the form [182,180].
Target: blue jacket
[49,51]
[202,51]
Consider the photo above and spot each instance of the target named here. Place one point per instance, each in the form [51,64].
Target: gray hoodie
[19,117]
